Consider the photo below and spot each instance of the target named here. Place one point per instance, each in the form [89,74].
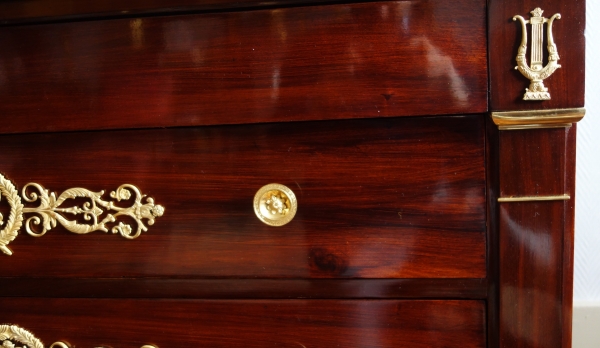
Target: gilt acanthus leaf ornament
[10,333]
[13,336]
[537,72]
[15,220]
[51,211]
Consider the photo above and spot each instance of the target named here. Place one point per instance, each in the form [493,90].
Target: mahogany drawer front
[264,323]
[380,59]
[380,198]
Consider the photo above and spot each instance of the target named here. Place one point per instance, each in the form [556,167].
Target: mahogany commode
[430,212]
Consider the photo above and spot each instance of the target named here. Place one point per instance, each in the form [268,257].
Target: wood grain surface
[383,198]
[507,85]
[536,238]
[533,162]
[258,323]
[531,274]
[395,212]
[309,63]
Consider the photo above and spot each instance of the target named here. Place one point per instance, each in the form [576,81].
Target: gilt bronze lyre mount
[537,72]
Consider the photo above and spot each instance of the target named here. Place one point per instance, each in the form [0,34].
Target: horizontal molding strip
[555,118]
[535,126]
[533,198]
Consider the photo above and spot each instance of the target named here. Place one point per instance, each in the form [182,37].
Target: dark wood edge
[245,288]
[492,164]
[569,237]
[54,16]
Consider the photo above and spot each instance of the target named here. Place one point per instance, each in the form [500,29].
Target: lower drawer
[239,323]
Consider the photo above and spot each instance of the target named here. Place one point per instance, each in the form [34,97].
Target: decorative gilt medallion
[275,204]
[537,72]
[50,211]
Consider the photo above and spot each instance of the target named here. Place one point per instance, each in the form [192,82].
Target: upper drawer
[379,198]
[312,63]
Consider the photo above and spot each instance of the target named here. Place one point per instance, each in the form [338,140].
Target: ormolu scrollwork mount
[50,211]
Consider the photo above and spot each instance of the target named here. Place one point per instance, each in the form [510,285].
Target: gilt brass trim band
[533,198]
[10,335]
[554,118]
[50,211]
[535,126]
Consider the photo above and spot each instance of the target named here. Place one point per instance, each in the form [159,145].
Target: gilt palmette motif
[97,213]
[537,72]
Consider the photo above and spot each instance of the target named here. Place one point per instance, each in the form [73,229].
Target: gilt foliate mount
[537,72]
[13,336]
[50,211]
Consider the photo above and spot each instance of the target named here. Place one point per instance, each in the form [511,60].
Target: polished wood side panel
[258,323]
[532,162]
[311,63]
[366,192]
[507,85]
[536,239]
[531,244]
[245,288]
